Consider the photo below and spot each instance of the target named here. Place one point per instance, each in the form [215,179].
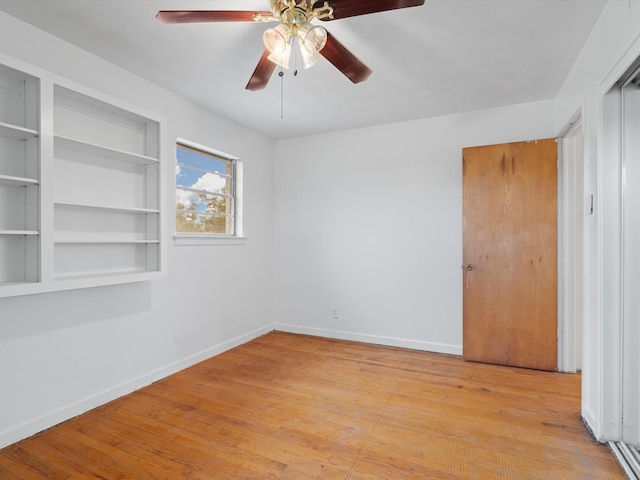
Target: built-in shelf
[80,241]
[102,151]
[106,207]
[19,181]
[104,154]
[15,131]
[19,232]
[81,207]
[20,202]
[109,277]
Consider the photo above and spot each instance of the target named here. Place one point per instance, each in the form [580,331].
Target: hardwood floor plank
[287,406]
[26,463]
[6,474]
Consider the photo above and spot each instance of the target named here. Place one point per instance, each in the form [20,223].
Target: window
[207,200]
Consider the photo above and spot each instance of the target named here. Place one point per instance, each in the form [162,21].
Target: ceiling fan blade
[262,73]
[196,16]
[344,60]
[352,8]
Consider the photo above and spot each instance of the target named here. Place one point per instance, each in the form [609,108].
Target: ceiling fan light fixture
[312,39]
[277,41]
[281,57]
[294,17]
[309,58]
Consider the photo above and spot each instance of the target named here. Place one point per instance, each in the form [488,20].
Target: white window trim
[203,239]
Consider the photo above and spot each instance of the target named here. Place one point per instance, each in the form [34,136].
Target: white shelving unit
[92,216]
[106,196]
[19,178]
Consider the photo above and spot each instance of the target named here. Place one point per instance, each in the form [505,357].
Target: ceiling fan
[295,18]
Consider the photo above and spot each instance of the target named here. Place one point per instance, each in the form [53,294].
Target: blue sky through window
[201,160]
[186,177]
[209,181]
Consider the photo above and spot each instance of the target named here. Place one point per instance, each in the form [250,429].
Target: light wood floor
[296,407]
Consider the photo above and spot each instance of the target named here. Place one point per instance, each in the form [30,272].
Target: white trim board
[375,339]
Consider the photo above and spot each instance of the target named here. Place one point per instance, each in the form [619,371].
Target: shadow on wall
[24,317]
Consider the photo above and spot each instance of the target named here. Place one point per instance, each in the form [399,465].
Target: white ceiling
[447,56]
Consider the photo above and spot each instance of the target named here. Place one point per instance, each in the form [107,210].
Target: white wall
[62,353]
[611,48]
[369,222]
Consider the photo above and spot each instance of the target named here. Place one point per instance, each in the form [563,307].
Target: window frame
[237,238]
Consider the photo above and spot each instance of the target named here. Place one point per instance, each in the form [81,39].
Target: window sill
[203,240]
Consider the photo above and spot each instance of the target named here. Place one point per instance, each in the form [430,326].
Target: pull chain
[281,75]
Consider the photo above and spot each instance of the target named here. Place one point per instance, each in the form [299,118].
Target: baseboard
[60,415]
[375,339]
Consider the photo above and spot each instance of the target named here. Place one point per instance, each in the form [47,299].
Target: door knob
[469,267]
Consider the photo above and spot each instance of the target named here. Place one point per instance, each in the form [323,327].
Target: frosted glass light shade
[277,42]
[309,58]
[312,39]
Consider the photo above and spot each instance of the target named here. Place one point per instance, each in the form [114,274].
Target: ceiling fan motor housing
[298,12]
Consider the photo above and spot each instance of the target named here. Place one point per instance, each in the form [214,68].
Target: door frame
[571,203]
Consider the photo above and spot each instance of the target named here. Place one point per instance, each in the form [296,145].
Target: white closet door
[631,264]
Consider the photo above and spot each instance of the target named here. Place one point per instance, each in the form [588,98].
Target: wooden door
[510,254]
